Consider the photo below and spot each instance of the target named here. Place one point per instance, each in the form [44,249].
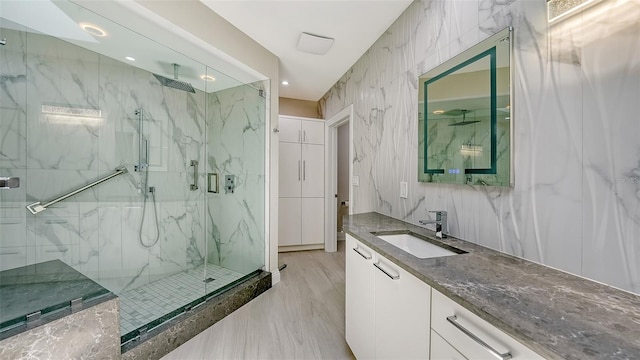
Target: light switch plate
[404,189]
[356,180]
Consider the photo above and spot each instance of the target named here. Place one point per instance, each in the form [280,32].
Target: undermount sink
[417,245]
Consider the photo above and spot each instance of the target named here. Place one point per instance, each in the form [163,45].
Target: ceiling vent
[314,44]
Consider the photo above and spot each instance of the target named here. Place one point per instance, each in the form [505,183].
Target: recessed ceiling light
[207,78]
[438,112]
[285,82]
[93,30]
[130,58]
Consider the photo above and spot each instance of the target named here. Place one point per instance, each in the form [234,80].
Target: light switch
[356,180]
[404,189]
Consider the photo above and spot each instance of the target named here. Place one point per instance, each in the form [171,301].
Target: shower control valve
[229,184]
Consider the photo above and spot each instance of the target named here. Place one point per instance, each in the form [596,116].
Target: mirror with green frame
[465,117]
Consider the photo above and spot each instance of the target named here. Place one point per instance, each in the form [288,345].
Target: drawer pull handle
[392,276]
[366,256]
[452,319]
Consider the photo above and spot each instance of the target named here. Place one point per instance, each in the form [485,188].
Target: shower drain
[208,280]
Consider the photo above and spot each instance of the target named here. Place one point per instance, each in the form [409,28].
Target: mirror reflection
[465,117]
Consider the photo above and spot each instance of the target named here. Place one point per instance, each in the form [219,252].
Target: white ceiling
[354,24]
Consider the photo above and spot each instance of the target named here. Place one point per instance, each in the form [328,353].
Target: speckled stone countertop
[556,314]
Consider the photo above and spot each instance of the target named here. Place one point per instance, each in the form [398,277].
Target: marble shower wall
[235,221]
[576,202]
[97,231]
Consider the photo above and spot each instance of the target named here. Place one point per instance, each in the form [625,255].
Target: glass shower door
[236,164]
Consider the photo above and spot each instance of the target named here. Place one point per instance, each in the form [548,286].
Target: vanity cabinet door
[402,309]
[359,294]
[443,307]
[442,350]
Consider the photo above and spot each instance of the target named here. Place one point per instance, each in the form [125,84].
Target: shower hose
[144,210]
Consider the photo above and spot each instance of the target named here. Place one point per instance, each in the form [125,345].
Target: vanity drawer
[466,332]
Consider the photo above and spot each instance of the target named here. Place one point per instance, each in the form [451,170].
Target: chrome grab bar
[39,207]
[506,356]
[194,186]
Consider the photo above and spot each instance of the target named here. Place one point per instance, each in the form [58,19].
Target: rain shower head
[463,112]
[175,83]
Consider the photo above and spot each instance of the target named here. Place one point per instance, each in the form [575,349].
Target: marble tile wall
[236,132]
[576,202]
[97,231]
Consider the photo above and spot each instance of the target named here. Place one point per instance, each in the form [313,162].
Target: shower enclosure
[184,217]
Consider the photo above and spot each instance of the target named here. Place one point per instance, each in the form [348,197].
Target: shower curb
[167,337]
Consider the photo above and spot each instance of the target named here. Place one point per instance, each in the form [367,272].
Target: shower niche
[465,117]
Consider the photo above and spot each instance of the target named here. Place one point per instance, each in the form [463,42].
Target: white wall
[343,163]
[576,202]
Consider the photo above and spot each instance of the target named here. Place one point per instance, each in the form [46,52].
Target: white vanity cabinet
[465,332]
[387,309]
[359,297]
[442,350]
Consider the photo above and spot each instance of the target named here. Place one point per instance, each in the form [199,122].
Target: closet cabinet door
[312,170]
[290,170]
[289,221]
[290,130]
[313,132]
[312,221]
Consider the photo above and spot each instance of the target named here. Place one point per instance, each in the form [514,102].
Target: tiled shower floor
[152,301]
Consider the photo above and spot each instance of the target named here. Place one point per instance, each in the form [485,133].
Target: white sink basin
[416,246]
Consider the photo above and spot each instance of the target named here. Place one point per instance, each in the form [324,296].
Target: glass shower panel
[13,146]
[236,159]
[74,107]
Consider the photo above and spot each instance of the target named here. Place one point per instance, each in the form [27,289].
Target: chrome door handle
[392,276]
[506,356]
[366,256]
[298,170]
[194,186]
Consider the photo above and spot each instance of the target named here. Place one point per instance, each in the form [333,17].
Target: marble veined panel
[236,226]
[575,201]
[235,131]
[611,227]
[182,233]
[13,112]
[63,75]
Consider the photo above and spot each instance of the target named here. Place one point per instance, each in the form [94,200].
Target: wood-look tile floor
[302,317]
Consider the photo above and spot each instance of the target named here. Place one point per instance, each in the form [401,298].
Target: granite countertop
[48,287]
[556,314]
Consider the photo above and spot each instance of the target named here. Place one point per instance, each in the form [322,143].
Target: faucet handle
[439,214]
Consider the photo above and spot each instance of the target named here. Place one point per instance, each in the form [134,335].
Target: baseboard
[301,247]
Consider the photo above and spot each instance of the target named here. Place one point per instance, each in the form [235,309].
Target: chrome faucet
[440,221]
